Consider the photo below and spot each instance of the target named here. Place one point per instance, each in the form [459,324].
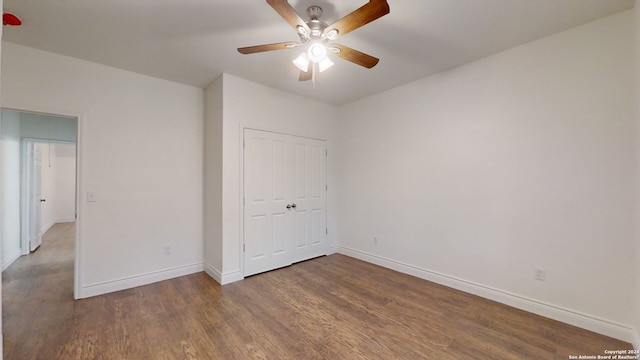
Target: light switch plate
[91,196]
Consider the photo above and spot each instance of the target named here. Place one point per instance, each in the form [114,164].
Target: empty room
[320,179]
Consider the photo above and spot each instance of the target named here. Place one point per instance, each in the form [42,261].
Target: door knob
[294,206]
[288,206]
[43,200]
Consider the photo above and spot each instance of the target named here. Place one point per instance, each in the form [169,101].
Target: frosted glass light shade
[302,62]
[325,64]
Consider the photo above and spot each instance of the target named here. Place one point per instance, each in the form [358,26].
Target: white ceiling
[194,41]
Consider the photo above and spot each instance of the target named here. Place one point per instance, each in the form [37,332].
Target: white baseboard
[220,278]
[213,273]
[65,220]
[230,277]
[636,339]
[48,227]
[569,316]
[8,261]
[138,280]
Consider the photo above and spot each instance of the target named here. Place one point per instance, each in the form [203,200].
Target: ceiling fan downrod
[315,12]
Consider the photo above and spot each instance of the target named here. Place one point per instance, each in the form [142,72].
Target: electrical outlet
[540,274]
[167,250]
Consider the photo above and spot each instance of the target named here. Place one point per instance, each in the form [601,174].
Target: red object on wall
[10,19]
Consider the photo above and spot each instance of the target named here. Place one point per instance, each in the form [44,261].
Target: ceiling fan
[316,36]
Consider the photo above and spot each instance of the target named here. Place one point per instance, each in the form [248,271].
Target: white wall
[636,319]
[213,179]
[140,146]
[2,195]
[246,104]
[475,176]
[10,134]
[65,182]
[58,178]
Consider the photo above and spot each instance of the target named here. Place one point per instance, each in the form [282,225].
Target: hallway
[39,284]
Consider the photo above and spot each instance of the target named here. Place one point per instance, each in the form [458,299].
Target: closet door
[267,223]
[309,196]
[284,200]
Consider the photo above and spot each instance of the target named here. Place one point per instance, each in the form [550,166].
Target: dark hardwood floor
[333,307]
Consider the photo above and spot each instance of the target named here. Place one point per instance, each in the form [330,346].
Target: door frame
[241,199]
[81,120]
[26,183]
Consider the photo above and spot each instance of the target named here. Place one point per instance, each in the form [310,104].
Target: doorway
[39,160]
[48,188]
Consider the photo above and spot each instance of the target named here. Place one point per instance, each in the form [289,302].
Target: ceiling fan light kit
[325,64]
[302,62]
[317,52]
[315,36]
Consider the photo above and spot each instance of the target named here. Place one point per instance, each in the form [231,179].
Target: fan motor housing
[315,25]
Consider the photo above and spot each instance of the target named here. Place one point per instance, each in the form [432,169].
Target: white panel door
[284,200]
[309,198]
[35,197]
[267,235]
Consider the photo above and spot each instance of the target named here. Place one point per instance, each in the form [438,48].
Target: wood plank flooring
[333,307]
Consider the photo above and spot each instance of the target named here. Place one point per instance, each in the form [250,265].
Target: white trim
[241,199]
[48,227]
[636,339]
[213,273]
[24,233]
[555,312]
[221,278]
[231,277]
[78,264]
[228,278]
[64,220]
[138,280]
[25,181]
[332,250]
[8,261]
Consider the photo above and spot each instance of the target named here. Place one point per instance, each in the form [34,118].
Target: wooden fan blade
[373,10]
[267,47]
[354,56]
[288,13]
[306,75]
